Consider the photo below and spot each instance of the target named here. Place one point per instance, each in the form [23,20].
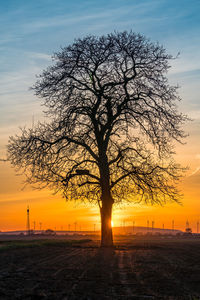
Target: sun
[112,224]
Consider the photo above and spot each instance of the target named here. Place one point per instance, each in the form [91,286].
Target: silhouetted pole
[148,225]
[173,225]
[28,222]
[75,223]
[133,226]
[197,226]
[163,226]
[40,226]
[187,224]
[34,226]
[153,223]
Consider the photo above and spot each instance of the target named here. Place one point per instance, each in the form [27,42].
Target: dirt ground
[141,268]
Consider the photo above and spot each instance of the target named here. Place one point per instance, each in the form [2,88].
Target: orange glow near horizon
[32,31]
[54,212]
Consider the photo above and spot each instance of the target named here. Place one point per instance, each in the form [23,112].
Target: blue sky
[31,31]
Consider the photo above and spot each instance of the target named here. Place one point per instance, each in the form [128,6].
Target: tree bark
[106,228]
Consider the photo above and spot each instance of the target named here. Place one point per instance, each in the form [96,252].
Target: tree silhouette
[112,120]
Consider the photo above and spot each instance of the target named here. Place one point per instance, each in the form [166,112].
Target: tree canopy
[113,118]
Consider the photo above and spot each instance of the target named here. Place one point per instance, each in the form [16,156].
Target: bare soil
[140,268]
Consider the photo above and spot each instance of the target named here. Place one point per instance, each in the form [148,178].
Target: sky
[30,32]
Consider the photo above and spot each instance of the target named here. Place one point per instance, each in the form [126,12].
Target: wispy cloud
[40,56]
[195,172]
[185,64]
[89,14]
[195,114]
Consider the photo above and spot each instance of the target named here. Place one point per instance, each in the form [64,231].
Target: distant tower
[28,222]
[172,224]
[153,223]
[188,229]
[133,227]
[34,225]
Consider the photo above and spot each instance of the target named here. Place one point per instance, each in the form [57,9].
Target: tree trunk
[106,228]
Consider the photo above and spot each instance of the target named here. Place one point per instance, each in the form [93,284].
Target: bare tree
[112,120]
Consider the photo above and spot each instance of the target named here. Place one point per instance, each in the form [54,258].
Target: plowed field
[135,269]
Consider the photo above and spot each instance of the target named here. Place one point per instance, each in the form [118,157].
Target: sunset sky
[30,32]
